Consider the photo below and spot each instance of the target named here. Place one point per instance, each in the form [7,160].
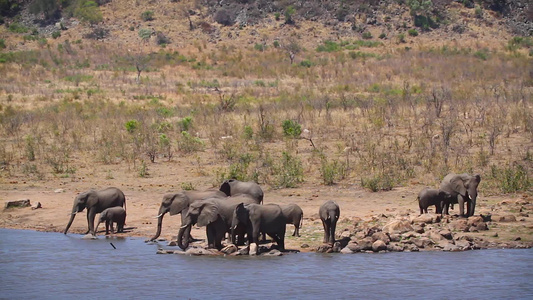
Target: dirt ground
[143,197]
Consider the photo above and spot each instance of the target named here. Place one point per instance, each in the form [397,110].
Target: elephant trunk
[159,224]
[96,227]
[183,236]
[74,212]
[473,197]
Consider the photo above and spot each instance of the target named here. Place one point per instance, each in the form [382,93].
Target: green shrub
[188,143]
[259,47]
[88,11]
[187,186]
[145,33]
[131,125]
[277,16]
[289,172]
[248,132]
[412,32]
[143,170]
[328,46]
[147,15]
[291,128]
[332,171]
[512,179]
[306,63]
[185,124]
[482,54]
[18,28]
[56,34]
[289,12]
[382,36]
[401,38]
[276,44]
[378,183]
[367,35]
[2,43]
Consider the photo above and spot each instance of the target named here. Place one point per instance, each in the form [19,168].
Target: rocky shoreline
[408,232]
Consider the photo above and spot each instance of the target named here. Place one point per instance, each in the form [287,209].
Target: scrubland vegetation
[373,111]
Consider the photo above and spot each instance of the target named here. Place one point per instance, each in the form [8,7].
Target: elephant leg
[461,204]
[210,232]
[107,227]
[445,209]
[88,223]
[326,231]
[333,226]
[90,215]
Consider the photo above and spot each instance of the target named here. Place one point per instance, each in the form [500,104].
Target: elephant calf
[294,215]
[112,215]
[428,197]
[329,213]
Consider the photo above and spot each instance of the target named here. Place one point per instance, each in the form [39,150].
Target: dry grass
[388,115]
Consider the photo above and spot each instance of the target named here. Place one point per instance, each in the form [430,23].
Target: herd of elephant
[237,209]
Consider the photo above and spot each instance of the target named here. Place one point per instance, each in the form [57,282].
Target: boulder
[410,234]
[200,251]
[394,248]
[427,219]
[346,250]
[172,243]
[336,247]
[446,234]
[36,205]
[326,248]
[463,244]
[229,249]
[422,242]
[435,236]
[505,218]
[379,246]
[419,229]
[365,244]
[18,203]
[253,249]
[397,226]
[458,225]
[411,248]
[273,252]
[354,247]
[381,236]
[450,247]
[395,237]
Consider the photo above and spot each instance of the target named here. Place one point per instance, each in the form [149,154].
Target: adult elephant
[214,213]
[329,213]
[462,188]
[257,218]
[232,187]
[96,201]
[178,203]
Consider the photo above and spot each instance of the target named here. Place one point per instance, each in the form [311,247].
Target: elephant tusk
[158,216]
[73,213]
[183,227]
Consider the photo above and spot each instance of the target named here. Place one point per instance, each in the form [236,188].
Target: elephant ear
[179,203]
[92,199]
[226,188]
[458,184]
[209,213]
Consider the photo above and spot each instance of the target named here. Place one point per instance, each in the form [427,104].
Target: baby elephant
[112,215]
[294,215]
[329,213]
[428,197]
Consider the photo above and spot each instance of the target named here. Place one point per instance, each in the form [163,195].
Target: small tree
[292,48]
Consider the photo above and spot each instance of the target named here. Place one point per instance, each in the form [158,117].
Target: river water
[40,265]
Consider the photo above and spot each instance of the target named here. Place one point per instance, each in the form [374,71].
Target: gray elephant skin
[462,188]
[96,201]
[178,203]
[257,218]
[293,215]
[428,197]
[329,213]
[112,215]
[232,187]
[215,214]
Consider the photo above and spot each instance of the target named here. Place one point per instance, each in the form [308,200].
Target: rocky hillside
[178,22]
